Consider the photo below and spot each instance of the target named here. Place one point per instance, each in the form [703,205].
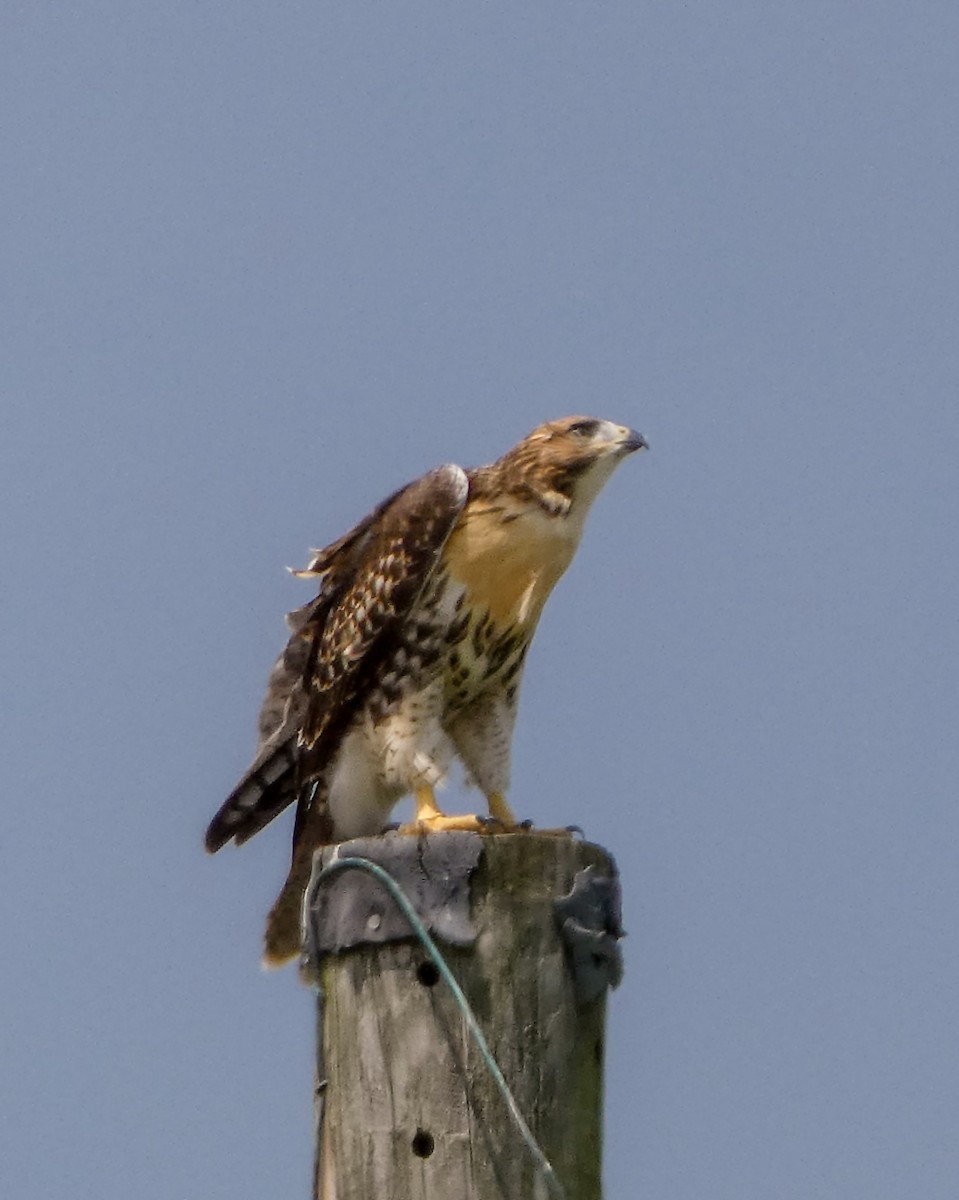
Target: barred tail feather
[263,792]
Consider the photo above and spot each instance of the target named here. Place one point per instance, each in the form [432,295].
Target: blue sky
[262,264]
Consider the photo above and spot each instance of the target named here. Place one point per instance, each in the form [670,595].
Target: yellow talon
[426,807]
[429,818]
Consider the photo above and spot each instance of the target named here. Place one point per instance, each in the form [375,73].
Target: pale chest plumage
[508,556]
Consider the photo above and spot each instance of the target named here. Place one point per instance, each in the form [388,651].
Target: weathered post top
[408,1107]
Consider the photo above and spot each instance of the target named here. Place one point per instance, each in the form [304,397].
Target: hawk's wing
[371,578]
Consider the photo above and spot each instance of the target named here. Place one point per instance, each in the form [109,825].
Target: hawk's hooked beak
[631,440]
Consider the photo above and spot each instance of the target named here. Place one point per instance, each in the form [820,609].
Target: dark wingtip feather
[215,838]
[263,793]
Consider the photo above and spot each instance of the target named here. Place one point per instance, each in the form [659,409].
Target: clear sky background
[263,263]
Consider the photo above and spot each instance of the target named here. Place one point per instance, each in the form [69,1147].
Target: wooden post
[407,1107]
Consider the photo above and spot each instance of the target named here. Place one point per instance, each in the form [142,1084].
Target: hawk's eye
[585,427]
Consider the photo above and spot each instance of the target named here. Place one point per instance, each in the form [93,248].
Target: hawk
[411,654]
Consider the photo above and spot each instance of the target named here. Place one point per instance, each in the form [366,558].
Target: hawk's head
[566,462]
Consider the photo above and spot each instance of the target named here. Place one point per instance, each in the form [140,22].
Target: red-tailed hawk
[412,653]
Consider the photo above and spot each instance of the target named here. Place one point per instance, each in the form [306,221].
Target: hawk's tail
[263,792]
[282,941]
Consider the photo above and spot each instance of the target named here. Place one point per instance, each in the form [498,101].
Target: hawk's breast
[502,561]
[471,627]
[508,556]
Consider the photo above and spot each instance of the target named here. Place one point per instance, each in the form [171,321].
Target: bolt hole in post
[427,974]
[423,1143]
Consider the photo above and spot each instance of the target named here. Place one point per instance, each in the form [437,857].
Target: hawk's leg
[429,819]
[499,810]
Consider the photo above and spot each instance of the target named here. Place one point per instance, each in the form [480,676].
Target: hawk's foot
[502,814]
[441,823]
[429,819]
[567,831]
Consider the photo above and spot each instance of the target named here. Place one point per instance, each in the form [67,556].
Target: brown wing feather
[328,556]
[386,578]
[372,577]
[270,782]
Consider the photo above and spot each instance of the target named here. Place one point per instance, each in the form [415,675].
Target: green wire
[403,903]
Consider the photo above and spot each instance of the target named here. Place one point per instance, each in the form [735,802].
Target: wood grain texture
[410,1109]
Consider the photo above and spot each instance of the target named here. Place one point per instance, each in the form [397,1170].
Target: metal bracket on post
[590,924]
[352,909]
